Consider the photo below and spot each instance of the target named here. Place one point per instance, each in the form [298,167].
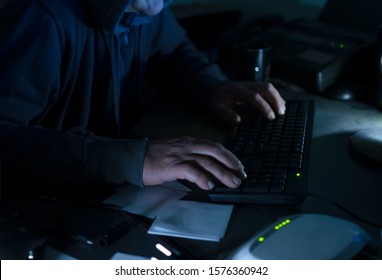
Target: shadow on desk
[340,175]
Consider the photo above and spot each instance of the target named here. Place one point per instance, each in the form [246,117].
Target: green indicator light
[342,46]
[261,239]
[298,174]
[280,225]
[277,227]
[287,221]
[284,223]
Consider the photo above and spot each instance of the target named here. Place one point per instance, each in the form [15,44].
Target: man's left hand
[263,95]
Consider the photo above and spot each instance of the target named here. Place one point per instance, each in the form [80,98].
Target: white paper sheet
[147,201]
[174,217]
[195,220]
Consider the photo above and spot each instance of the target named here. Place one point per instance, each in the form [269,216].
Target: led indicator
[342,46]
[298,174]
[261,239]
[284,223]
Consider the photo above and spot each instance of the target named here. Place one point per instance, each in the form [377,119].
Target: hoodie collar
[110,12]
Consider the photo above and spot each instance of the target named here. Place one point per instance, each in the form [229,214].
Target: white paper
[174,217]
[147,201]
[195,220]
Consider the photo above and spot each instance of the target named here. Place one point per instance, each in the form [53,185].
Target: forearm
[38,160]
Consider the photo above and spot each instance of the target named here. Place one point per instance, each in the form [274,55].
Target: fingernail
[236,180]
[271,116]
[282,110]
[211,185]
[244,174]
[241,165]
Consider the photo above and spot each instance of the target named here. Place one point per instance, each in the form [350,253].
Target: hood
[109,12]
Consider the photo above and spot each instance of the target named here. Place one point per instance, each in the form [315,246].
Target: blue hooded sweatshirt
[74,75]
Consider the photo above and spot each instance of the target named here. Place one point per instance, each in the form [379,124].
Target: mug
[253,62]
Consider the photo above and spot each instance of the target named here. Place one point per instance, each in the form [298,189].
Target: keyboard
[275,154]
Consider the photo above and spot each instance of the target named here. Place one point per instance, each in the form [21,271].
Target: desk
[336,174]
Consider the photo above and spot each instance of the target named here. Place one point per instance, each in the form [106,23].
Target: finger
[218,152]
[223,175]
[263,106]
[265,97]
[227,114]
[190,172]
[272,96]
[257,100]
[250,94]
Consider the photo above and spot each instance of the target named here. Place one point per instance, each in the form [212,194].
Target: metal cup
[254,62]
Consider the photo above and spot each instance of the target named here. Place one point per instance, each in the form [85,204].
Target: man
[74,75]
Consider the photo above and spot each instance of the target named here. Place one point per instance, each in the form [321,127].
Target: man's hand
[264,96]
[199,161]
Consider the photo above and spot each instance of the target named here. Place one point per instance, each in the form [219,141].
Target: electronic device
[342,93]
[275,154]
[319,53]
[304,237]
[313,55]
[368,142]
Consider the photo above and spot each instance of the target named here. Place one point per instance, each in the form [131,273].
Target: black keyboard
[275,155]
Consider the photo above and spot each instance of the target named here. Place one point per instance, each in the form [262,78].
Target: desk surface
[338,177]
[337,174]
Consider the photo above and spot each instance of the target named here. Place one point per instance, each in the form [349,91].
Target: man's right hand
[199,161]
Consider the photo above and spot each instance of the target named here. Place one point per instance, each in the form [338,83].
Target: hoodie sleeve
[184,66]
[34,158]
